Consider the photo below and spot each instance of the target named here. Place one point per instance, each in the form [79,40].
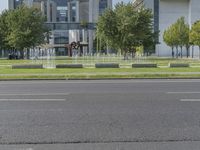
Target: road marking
[37,100]
[34,94]
[190,100]
[183,92]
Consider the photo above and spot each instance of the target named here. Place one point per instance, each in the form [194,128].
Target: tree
[4,30]
[124,27]
[149,43]
[177,35]
[167,37]
[182,34]
[26,28]
[187,41]
[195,35]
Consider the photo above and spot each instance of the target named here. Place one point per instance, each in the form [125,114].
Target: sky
[4,3]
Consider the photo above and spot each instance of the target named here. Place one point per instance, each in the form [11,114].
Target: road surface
[103,114]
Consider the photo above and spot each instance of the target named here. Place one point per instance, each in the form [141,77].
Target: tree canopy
[126,28]
[4,29]
[195,35]
[168,38]
[22,28]
[177,35]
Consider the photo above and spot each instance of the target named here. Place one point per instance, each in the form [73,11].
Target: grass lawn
[90,72]
[93,73]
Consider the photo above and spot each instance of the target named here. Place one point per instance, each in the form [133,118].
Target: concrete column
[69,11]
[91,10]
[48,12]
[109,3]
[51,12]
[77,11]
[54,11]
[91,32]
[11,4]
[96,10]
[43,7]
[85,35]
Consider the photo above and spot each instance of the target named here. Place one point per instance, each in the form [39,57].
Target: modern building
[69,20]
[166,12]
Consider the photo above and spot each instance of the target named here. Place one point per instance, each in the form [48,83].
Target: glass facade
[62,14]
[73,8]
[62,18]
[62,10]
[17,3]
[103,4]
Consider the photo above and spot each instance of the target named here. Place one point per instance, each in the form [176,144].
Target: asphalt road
[96,115]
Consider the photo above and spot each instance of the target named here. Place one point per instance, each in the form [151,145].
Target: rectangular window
[103,4]
[18,3]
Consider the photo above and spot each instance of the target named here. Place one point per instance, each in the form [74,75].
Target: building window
[62,14]
[73,11]
[103,4]
[18,3]
[61,40]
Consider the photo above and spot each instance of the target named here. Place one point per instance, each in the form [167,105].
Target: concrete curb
[68,79]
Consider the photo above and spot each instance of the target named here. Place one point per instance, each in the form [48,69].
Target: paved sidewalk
[104,73]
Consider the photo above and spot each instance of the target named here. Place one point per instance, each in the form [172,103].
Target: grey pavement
[105,114]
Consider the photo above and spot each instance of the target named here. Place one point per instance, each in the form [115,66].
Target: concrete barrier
[144,66]
[27,66]
[108,65]
[178,65]
[69,66]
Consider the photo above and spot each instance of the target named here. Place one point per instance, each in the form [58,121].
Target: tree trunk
[181,52]
[125,55]
[21,54]
[172,52]
[176,52]
[28,53]
[132,53]
[192,51]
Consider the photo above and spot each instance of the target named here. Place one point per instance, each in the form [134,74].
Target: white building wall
[170,11]
[194,15]
[74,36]
[84,9]
[149,4]
[51,14]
